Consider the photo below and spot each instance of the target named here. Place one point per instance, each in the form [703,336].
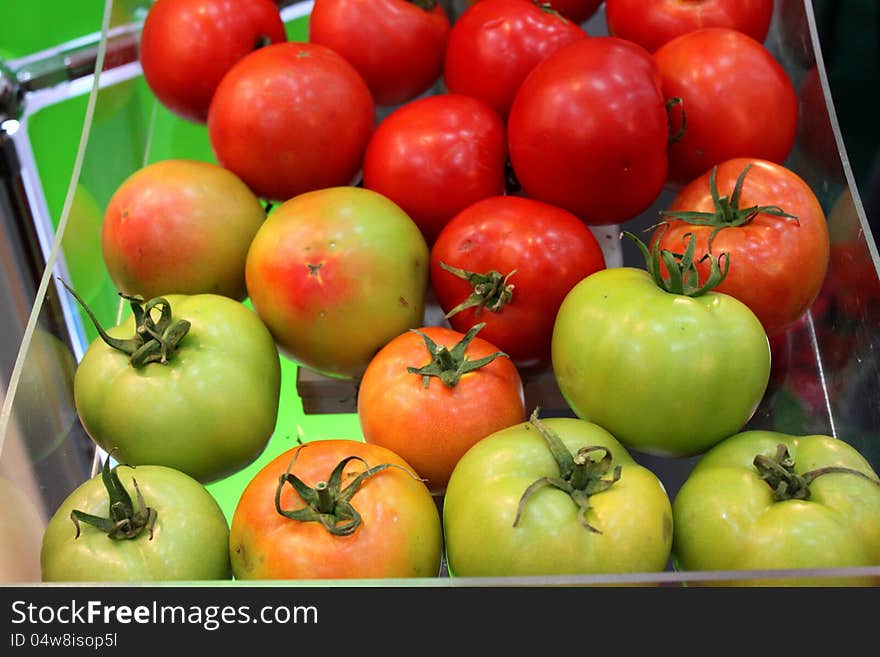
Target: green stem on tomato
[490,290]
[579,474]
[449,365]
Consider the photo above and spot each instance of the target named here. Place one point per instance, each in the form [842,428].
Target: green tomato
[166,526]
[595,519]
[804,502]
[335,274]
[209,410]
[665,373]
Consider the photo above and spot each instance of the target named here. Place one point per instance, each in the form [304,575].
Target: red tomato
[291,118]
[187,46]
[414,400]
[495,43]
[180,226]
[777,263]
[651,23]
[577,11]
[521,258]
[396,45]
[436,155]
[737,100]
[388,526]
[588,130]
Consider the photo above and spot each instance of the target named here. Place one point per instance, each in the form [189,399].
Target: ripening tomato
[335,509]
[436,155]
[396,45]
[495,43]
[291,118]
[588,130]
[180,227]
[771,226]
[736,99]
[508,262]
[335,274]
[651,23]
[430,394]
[187,46]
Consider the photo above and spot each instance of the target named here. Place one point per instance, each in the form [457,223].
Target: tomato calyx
[727,212]
[328,503]
[778,471]
[683,275]
[449,365]
[579,474]
[491,290]
[123,521]
[154,340]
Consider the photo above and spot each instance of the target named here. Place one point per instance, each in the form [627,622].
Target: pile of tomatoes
[405,155]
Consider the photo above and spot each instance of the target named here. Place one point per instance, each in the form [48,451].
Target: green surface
[130,129]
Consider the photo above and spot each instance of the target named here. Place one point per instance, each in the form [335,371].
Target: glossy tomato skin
[494,44]
[187,46]
[588,130]
[209,411]
[436,155]
[307,115]
[726,517]
[665,373]
[396,45]
[777,264]
[180,226]
[651,23]
[431,427]
[190,537]
[633,515]
[548,249]
[737,99]
[400,534]
[336,273]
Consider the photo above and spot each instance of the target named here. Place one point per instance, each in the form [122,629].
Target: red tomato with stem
[291,118]
[651,23]
[737,101]
[494,44]
[396,45]
[436,155]
[335,509]
[771,225]
[588,130]
[187,46]
[508,262]
[430,394]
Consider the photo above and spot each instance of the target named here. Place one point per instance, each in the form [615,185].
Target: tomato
[737,100]
[188,382]
[588,130]
[396,45]
[180,226]
[508,262]
[494,44]
[577,11]
[771,225]
[428,395]
[306,112]
[764,500]
[557,496]
[187,46]
[651,23]
[667,367]
[335,509]
[436,155]
[335,274]
[144,524]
